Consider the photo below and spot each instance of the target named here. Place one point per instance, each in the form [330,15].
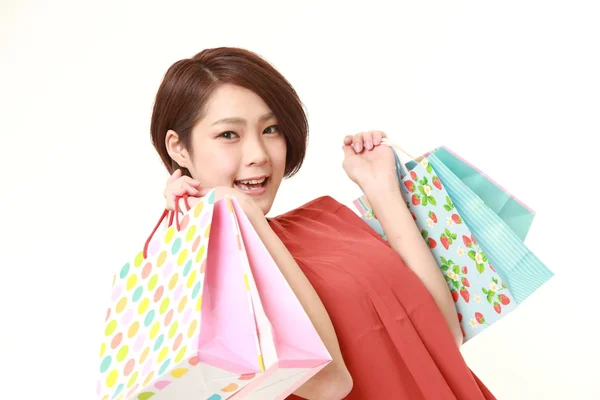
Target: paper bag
[480,295]
[186,320]
[515,214]
[522,271]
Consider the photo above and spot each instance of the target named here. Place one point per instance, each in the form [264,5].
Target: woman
[226,119]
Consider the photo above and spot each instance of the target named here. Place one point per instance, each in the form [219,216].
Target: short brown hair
[188,84]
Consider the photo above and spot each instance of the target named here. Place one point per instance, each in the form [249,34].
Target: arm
[334,381]
[404,237]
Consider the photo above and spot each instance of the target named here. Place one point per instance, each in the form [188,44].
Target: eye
[272,129]
[228,135]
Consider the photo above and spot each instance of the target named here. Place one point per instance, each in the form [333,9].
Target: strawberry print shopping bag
[500,237]
[480,295]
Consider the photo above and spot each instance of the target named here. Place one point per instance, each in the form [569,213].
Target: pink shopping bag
[299,351]
[204,312]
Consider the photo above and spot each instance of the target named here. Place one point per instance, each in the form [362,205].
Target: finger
[348,150]
[170,190]
[190,181]
[179,185]
[181,203]
[377,137]
[368,139]
[189,189]
[357,142]
[170,193]
[348,140]
[180,190]
[170,197]
[171,203]
[177,196]
[172,179]
[174,176]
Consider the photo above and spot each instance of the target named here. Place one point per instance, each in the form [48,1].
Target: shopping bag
[300,352]
[515,214]
[521,270]
[480,295]
[186,319]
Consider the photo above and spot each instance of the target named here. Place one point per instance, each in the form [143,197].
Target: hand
[369,163]
[178,185]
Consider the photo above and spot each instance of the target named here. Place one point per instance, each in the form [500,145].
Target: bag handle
[387,141]
[164,215]
[401,170]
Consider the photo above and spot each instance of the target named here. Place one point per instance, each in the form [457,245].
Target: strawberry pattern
[480,295]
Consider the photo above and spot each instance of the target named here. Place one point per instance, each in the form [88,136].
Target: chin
[264,205]
[262,192]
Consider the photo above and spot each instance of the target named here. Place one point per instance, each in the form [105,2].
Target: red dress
[393,337]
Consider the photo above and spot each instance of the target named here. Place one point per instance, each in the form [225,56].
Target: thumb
[174,176]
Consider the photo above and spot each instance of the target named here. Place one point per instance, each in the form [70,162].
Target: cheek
[215,168]
[278,156]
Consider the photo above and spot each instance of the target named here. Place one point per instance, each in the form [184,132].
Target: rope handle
[401,170]
[386,141]
[172,215]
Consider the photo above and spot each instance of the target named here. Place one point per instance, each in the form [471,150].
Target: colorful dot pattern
[153,323]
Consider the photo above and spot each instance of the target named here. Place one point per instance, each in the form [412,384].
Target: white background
[512,86]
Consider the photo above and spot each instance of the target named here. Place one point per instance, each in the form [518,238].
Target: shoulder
[325,213]
[319,205]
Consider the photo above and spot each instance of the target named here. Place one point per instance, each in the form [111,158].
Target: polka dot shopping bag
[193,316]
[488,268]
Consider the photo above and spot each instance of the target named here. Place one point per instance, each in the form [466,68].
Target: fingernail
[357,147]
[369,145]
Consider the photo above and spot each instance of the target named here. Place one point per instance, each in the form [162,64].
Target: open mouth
[251,186]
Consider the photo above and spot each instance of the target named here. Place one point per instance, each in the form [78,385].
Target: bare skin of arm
[404,237]
[371,165]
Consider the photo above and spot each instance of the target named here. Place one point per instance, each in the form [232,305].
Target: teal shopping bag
[488,268]
[517,216]
[480,296]
[521,270]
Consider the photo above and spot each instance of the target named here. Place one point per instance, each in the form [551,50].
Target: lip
[254,178]
[255,192]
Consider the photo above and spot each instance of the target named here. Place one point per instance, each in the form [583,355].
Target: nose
[255,152]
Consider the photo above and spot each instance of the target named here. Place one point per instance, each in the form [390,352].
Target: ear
[176,150]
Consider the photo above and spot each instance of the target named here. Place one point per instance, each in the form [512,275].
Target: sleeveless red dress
[393,337]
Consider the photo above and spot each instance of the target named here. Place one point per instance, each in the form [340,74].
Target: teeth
[252,181]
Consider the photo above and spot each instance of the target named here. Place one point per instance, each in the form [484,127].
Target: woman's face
[238,144]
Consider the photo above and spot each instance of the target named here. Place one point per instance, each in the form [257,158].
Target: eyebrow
[242,121]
